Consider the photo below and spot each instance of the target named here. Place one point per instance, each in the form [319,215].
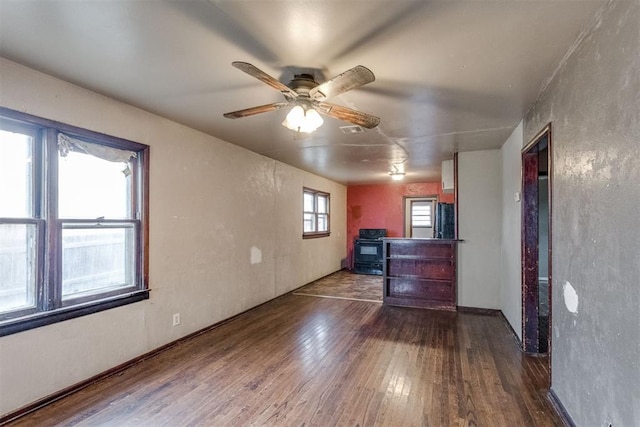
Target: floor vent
[351,129]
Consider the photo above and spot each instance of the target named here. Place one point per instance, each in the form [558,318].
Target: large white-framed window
[316,213]
[73,222]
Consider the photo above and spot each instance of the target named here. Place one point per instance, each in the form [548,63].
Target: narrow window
[97,225]
[316,214]
[20,230]
[421,214]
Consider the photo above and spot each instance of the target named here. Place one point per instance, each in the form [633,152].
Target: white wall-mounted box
[447,176]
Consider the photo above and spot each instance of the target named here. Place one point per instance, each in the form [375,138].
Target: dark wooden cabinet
[420,273]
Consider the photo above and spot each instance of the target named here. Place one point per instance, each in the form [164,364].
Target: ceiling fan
[307,97]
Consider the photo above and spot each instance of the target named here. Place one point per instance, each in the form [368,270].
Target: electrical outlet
[176,319]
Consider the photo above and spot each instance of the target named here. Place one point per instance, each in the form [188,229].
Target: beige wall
[211,205]
[479,225]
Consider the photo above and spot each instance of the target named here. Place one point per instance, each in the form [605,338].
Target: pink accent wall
[381,206]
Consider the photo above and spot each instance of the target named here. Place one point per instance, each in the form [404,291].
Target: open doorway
[536,243]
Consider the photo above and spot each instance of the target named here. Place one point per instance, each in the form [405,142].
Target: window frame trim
[48,309]
[44,318]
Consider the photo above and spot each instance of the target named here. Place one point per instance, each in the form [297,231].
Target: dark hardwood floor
[301,360]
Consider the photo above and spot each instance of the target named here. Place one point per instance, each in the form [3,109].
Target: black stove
[367,251]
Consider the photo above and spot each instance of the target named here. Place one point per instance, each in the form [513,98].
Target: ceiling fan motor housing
[302,84]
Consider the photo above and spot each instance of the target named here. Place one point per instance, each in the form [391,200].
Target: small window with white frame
[315,213]
[421,214]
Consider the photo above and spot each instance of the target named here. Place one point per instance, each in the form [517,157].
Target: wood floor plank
[300,360]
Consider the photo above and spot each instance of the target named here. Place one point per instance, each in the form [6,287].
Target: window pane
[323,205]
[323,222]
[90,187]
[308,202]
[17,266]
[309,222]
[421,214]
[16,178]
[97,260]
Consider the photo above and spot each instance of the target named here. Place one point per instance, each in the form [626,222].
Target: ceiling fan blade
[253,71]
[256,110]
[348,115]
[350,79]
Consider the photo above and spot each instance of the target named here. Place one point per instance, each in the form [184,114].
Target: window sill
[50,317]
[316,235]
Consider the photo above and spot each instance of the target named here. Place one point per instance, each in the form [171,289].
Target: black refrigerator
[445,221]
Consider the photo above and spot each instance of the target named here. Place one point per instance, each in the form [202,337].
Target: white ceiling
[450,75]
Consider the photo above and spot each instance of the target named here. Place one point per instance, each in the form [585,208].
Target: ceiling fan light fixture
[302,119]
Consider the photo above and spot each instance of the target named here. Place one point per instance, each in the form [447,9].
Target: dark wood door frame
[530,297]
